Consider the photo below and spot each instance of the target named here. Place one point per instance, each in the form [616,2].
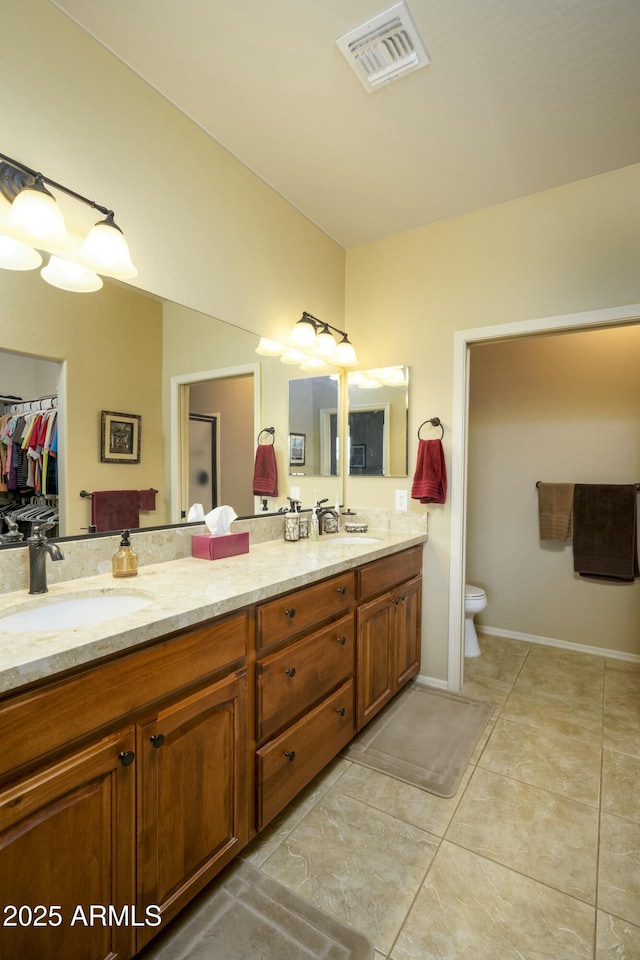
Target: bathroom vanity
[145,756]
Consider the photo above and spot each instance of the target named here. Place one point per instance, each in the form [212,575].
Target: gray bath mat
[250,916]
[424,737]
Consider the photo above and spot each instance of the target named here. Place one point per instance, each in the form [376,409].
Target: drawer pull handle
[126,757]
[402,596]
[341,640]
[290,613]
[342,590]
[290,671]
[341,711]
[290,754]
[157,740]
[396,601]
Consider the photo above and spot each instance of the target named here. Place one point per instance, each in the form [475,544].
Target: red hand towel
[115,509]
[147,499]
[430,477]
[265,474]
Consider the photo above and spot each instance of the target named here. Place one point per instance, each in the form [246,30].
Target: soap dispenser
[125,561]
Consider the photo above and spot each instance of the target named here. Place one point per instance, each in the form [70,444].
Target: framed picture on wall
[297,442]
[120,437]
[358,456]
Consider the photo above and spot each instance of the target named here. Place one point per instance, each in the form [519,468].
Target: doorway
[463,340]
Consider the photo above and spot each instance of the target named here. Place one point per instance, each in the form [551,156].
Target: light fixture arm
[319,324]
[13,180]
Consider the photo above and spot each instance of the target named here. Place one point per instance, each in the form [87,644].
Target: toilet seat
[473,593]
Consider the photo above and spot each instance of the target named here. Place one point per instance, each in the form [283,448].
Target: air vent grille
[384,48]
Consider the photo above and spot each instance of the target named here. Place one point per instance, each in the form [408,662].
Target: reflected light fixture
[35,221]
[17,256]
[312,345]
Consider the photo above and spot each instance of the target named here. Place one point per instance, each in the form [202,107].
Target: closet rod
[637,485]
[32,406]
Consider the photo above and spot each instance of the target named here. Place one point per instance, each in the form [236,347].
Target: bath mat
[250,916]
[424,737]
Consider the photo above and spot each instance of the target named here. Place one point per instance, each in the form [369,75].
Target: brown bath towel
[430,477]
[115,509]
[605,531]
[555,510]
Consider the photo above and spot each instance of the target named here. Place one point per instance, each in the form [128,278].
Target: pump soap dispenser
[125,562]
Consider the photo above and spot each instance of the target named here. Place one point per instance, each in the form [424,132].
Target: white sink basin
[65,613]
[350,541]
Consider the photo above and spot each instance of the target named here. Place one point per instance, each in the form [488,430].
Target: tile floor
[537,857]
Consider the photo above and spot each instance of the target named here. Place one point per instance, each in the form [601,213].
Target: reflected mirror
[313,427]
[378,407]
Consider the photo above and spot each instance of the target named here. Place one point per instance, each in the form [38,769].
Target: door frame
[179,423]
[462,341]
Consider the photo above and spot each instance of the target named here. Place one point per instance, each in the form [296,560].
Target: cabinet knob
[290,671]
[341,640]
[156,740]
[341,711]
[126,757]
[402,596]
[290,754]
[396,601]
[290,613]
[342,590]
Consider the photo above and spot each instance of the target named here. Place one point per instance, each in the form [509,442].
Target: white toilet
[475,600]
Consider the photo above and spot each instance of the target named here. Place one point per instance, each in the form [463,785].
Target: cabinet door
[375,657]
[407,631]
[192,802]
[67,848]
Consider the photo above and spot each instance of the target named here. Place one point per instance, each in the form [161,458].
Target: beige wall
[563,408]
[111,342]
[572,249]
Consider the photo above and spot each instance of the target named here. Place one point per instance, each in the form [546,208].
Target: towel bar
[435,422]
[271,430]
[637,485]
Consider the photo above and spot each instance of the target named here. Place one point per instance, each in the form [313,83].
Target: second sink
[65,613]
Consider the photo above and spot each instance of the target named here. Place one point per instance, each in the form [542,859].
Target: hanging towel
[147,499]
[555,510]
[605,532]
[430,477]
[265,473]
[115,509]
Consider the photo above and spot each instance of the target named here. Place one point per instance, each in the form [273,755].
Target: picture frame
[120,437]
[297,449]
[358,456]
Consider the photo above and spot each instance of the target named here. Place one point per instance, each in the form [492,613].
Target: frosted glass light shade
[270,348]
[67,275]
[315,364]
[303,335]
[345,353]
[293,356]
[105,250]
[17,256]
[325,345]
[35,218]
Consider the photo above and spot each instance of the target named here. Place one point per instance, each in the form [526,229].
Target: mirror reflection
[378,402]
[313,426]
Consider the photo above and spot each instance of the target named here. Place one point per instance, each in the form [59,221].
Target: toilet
[475,600]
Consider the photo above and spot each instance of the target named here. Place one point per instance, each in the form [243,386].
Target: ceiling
[520,96]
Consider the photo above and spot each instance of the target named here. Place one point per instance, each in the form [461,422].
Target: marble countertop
[182,593]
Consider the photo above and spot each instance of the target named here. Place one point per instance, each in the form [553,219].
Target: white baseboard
[431,682]
[550,642]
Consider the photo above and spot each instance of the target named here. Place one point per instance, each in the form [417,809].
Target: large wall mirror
[378,405]
[314,404]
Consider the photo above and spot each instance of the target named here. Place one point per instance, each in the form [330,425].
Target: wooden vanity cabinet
[124,788]
[304,688]
[388,629]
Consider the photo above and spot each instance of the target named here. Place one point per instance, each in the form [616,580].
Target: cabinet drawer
[291,680]
[301,610]
[287,764]
[67,710]
[384,574]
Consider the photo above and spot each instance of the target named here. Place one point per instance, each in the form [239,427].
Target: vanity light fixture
[35,223]
[312,345]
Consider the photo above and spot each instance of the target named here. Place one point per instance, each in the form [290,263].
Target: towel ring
[435,422]
[271,430]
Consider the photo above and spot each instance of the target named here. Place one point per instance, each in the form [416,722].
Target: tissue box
[207,547]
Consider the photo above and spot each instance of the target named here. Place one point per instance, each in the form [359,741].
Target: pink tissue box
[207,547]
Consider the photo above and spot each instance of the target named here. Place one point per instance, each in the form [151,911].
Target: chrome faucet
[39,547]
[323,512]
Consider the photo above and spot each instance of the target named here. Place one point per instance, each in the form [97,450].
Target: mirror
[378,410]
[314,427]
[117,350]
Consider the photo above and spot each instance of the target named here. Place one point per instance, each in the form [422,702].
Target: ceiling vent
[384,48]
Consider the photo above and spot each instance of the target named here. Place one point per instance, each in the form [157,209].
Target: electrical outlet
[294,493]
[402,499]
